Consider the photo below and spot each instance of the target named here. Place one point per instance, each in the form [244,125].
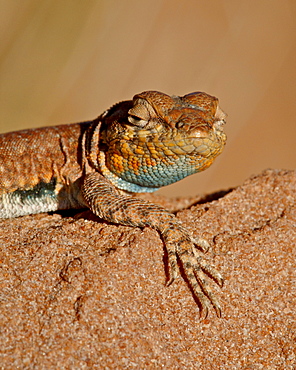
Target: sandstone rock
[78,293]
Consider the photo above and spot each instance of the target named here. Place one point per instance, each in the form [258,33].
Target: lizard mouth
[220,119]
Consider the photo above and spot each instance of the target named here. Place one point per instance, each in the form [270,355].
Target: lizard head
[156,139]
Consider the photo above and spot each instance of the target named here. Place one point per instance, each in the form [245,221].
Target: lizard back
[37,169]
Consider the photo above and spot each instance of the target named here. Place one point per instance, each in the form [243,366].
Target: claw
[170,281]
[218,311]
[203,314]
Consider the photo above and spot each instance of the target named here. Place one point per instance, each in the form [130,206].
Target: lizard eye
[137,121]
[138,115]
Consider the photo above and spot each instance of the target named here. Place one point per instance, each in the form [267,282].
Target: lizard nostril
[180,124]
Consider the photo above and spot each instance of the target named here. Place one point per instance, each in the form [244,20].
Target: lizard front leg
[106,202]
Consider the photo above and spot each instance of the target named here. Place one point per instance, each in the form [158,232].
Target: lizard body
[136,146]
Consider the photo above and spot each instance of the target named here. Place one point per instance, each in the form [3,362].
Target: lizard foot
[183,248]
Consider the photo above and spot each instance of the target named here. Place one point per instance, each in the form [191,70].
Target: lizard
[136,146]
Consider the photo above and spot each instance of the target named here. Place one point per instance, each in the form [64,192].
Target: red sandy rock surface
[77,293]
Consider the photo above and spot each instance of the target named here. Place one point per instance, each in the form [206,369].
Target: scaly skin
[135,146]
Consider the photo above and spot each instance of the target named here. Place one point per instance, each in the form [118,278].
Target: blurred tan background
[67,61]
